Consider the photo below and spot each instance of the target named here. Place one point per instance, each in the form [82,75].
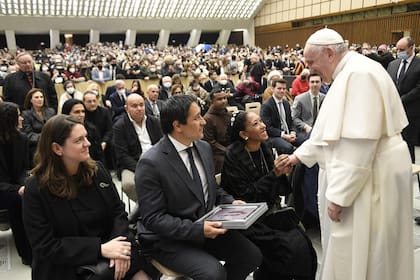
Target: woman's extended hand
[121,267]
[281,165]
[117,248]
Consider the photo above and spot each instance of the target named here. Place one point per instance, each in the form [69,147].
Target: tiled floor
[14,270]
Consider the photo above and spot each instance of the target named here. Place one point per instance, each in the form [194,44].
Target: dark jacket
[54,230]
[126,142]
[271,117]
[16,86]
[101,118]
[14,163]
[32,124]
[243,181]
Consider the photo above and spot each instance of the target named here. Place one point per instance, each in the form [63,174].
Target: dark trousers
[201,261]
[282,146]
[411,134]
[12,201]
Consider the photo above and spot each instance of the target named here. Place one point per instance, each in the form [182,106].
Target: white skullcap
[325,36]
[274,73]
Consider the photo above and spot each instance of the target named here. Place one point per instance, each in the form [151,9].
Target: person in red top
[300,84]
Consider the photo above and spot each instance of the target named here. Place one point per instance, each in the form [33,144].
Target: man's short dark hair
[175,108]
[314,75]
[278,81]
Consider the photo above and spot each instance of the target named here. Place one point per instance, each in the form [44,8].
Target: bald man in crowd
[134,134]
[365,181]
[153,103]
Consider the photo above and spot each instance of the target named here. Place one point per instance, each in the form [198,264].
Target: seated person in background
[14,162]
[176,186]
[177,89]
[76,109]
[110,90]
[72,74]
[70,92]
[134,134]
[276,114]
[176,80]
[136,88]
[202,95]
[100,117]
[118,99]
[100,74]
[250,173]
[306,107]
[212,82]
[246,91]
[36,113]
[300,84]
[165,90]
[152,103]
[217,121]
[72,211]
[268,92]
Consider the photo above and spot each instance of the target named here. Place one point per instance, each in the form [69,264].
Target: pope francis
[365,181]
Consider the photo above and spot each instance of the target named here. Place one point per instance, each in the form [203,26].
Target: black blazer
[271,118]
[53,229]
[126,142]
[409,88]
[168,202]
[32,124]
[117,105]
[16,86]
[14,163]
[101,118]
[149,109]
[208,86]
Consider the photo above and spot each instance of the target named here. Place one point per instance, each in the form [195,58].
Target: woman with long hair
[252,174]
[35,114]
[72,212]
[14,163]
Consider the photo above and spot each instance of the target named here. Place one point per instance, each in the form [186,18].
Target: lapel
[179,168]
[276,117]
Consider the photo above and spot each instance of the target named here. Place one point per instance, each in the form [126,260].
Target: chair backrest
[253,107]
[232,108]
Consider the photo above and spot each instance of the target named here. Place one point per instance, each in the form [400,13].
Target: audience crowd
[120,124]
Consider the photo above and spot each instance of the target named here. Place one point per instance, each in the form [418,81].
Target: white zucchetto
[325,36]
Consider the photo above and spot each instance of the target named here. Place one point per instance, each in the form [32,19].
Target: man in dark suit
[153,104]
[134,134]
[276,115]
[408,85]
[306,107]
[165,90]
[17,85]
[176,186]
[118,99]
[212,82]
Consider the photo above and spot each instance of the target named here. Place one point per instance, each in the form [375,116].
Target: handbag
[284,219]
[99,271]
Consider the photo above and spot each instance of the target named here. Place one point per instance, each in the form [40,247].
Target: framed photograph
[240,216]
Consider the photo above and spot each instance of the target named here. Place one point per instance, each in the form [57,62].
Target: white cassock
[365,167]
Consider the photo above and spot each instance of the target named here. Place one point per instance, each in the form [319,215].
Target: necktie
[122,98]
[195,175]
[30,78]
[315,110]
[155,109]
[283,118]
[402,72]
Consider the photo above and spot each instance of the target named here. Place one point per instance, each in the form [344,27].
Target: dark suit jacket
[126,142]
[149,109]
[32,124]
[117,105]
[168,202]
[409,88]
[271,118]
[16,86]
[208,85]
[54,230]
[101,118]
[14,162]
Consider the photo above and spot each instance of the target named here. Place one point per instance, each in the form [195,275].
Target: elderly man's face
[319,60]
